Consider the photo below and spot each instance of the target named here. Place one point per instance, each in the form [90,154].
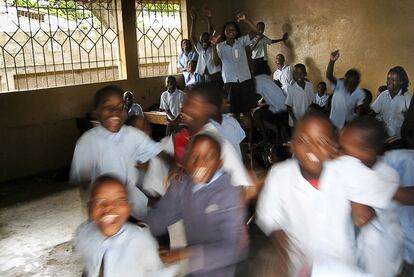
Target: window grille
[159,35]
[57,43]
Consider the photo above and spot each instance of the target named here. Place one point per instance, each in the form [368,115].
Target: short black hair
[103,179]
[261,67]
[317,114]
[372,132]
[171,77]
[104,92]
[223,33]
[260,23]
[368,95]
[207,136]
[301,66]
[402,75]
[183,40]
[322,83]
[382,88]
[353,73]
[209,93]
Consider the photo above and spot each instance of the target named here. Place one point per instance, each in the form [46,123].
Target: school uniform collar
[196,187]
[110,135]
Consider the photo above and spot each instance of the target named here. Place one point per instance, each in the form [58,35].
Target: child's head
[299,72]
[280,60]
[313,142]
[202,102]
[368,99]
[381,89]
[205,40]
[260,27]
[171,83]
[110,107]
[203,158]
[140,123]
[128,98]
[363,138]
[260,68]
[109,207]
[191,66]
[186,45]
[352,79]
[231,30]
[321,88]
[397,79]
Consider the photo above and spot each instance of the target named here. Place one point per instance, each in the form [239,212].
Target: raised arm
[193,15]
[210,26]
[283,38]
[241,17]
[214,41]
[330,69]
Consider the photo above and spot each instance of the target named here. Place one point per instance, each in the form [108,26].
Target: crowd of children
[340,206]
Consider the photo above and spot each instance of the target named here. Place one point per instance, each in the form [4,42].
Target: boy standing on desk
[112,148]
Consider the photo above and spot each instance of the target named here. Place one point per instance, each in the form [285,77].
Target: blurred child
[347,96]
[108,244]
[212,211]
[231,53]
[322,97]
[187,54]
[392,104]
[172,99]
[132,107]
[260,42]
[380,241]
[113,148]
[300,95]
[191,77]
[205,64]
[283,76]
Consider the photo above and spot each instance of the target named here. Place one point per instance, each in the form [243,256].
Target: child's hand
[206,11]
[240,17]
[173,256]
[285,36]
[215,39]
[334,55]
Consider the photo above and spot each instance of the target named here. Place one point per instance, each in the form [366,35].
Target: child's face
[171,84]
[109,207]
[186,45]
[280,61]
[321,89]
[351,83]
[352,144]
[299,74]
[230,32]
[260,28]
[205,41]
[191,67]
[196,112]
[393,82]
[111,113]
[203,161]
[312,144]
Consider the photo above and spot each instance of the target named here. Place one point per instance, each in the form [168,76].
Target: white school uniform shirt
[284,76]
[271,93]
[235,67]
[232,162]
[391,110]
[299,99]
[130,252]
[99,151]
[402,160]
[322,101]
[172,101]
[231,130]
[183,58]
[260,51]
[205,60]
[344,104]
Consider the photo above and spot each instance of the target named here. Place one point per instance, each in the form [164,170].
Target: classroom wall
[372,35]
[38,128]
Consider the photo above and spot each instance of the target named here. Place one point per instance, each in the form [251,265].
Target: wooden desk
[155,117]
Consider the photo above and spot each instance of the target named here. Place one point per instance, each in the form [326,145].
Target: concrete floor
[35,234]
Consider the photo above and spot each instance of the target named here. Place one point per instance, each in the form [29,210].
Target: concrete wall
[373,35]
[38,128]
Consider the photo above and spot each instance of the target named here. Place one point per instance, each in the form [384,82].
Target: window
[159,34]
[57,43]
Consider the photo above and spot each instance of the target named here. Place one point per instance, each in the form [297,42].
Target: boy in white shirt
[172,99]
[392,104]
[283,76]
[108,244]
[300,95]
[260,42]
[322,98]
